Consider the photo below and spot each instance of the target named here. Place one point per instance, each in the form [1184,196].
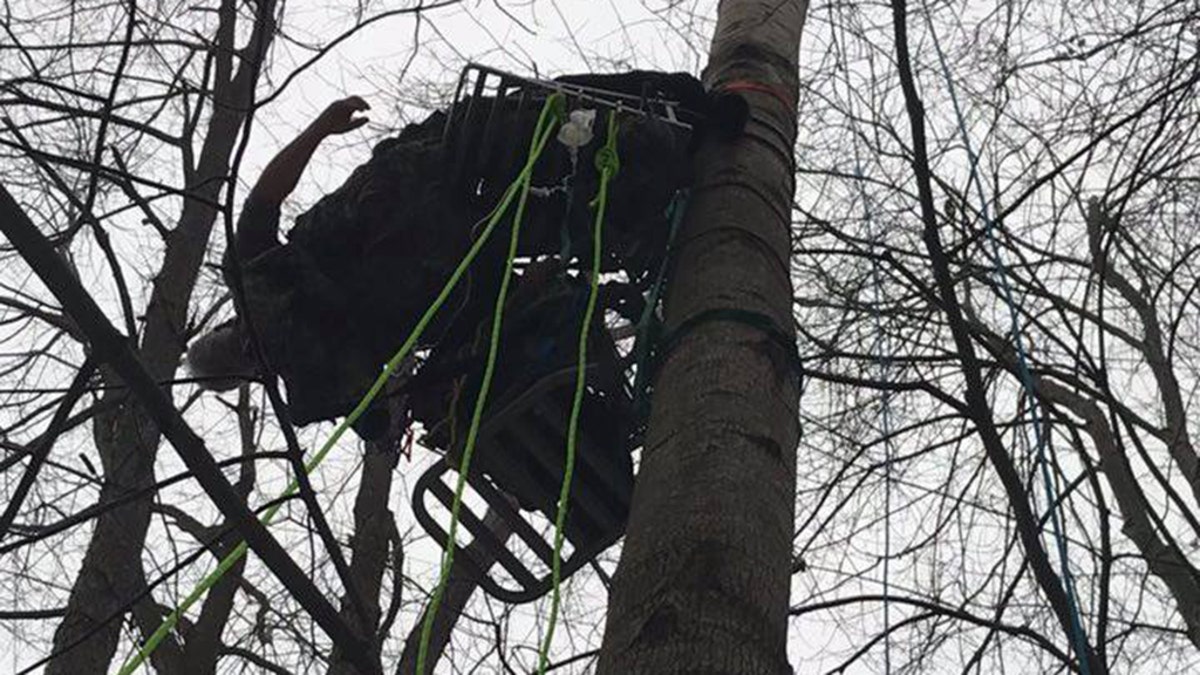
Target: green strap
[760,321]
[552,114]
[608,163]
[648,327]
[552,108]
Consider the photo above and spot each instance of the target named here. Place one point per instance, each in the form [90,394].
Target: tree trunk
[703,581]
[373,526]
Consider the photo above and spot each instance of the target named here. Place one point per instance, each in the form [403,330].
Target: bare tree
[878,339]
[920,526]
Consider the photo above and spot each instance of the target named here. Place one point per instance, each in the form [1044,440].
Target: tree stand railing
[479,137]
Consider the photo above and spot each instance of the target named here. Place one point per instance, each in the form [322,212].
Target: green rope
[608,163]
[555,107]
[541,136]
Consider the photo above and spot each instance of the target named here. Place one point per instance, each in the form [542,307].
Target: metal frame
[539,89]
[490,89]
[595,524]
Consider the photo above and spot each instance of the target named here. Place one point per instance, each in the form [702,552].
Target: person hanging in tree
[295,308]
[332,304]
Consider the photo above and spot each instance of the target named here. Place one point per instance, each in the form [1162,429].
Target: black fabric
[301,319]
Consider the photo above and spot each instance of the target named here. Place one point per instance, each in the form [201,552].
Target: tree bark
[703,581]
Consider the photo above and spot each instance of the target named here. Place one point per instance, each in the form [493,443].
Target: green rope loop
[546,122]
[607,161]
[556,107]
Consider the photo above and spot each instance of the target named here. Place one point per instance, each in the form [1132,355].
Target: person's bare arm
[283,172]
[258,226]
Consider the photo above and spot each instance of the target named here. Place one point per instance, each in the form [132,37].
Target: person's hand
[339,117]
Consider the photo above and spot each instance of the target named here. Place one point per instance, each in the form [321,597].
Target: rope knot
[608,161]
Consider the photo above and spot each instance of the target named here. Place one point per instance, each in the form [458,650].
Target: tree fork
[704,575]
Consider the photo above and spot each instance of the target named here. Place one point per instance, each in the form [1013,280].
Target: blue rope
[1000,273]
